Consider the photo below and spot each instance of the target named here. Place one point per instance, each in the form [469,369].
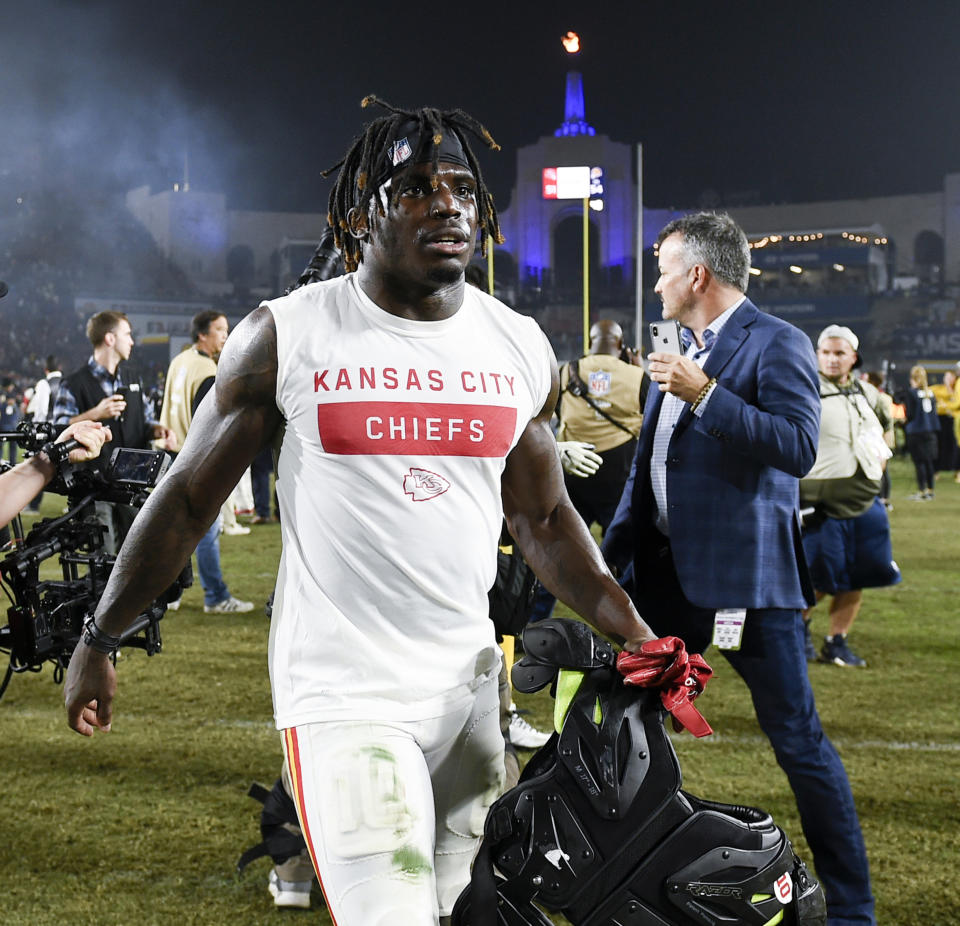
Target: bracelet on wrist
[703,393]
[96,639]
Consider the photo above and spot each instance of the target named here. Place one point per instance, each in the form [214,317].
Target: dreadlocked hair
[368,158]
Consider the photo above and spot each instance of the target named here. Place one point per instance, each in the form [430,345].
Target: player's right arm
[230,427]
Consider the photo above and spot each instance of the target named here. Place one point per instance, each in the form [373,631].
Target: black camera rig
[46,616]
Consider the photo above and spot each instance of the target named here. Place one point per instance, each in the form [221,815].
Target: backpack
[513,591]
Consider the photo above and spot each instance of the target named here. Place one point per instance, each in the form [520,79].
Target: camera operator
[20,484]
[105,389]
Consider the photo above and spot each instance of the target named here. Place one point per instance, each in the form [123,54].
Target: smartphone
[665,337]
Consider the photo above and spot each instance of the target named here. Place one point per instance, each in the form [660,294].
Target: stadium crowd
[53,249]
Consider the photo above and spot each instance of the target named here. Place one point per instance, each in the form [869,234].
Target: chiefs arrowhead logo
[421,484]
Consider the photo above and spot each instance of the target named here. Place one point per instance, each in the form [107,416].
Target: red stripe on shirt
[439,429]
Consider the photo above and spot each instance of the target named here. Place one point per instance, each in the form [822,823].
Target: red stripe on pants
[292,748]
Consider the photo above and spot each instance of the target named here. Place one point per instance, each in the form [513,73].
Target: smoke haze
[84,108]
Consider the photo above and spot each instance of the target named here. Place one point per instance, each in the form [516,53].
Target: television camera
[46,615]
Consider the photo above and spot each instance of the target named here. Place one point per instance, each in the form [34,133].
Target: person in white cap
[846,536]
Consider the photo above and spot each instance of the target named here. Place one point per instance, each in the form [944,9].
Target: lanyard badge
[728,628]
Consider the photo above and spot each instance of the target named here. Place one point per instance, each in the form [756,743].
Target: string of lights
[808,237]
[853,237]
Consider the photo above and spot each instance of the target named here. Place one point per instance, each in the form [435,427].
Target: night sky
[734,102]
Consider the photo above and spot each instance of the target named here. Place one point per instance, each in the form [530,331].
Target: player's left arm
[553,538]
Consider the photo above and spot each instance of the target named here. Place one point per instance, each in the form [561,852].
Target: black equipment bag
[599,829]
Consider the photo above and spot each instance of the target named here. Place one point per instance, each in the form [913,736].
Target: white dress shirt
[670,410]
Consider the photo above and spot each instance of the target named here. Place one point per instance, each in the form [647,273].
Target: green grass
[145,825]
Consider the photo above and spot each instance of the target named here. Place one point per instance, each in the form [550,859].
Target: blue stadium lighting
[574,113]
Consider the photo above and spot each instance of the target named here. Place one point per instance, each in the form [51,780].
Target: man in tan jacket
[190,376]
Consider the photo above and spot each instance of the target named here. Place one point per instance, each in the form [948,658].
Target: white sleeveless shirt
[389,488]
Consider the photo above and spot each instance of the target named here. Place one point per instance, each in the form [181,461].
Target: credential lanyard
[728,628]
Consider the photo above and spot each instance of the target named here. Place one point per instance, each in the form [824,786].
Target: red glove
[665,664]
[659,662]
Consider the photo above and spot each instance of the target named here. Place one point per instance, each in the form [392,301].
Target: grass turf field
[144,825]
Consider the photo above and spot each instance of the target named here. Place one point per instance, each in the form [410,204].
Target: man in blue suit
[707,533]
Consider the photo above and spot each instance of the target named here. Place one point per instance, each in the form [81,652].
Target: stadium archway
[568,257]
[928,256]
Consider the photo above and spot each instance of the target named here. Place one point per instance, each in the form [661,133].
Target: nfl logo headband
[414,146]
[400,151]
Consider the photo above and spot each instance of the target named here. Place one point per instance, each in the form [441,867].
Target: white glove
[578,458]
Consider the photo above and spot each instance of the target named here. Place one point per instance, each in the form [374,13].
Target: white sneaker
[523,735]
[234,530]
[229,605]
[174,605]
[289,893]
